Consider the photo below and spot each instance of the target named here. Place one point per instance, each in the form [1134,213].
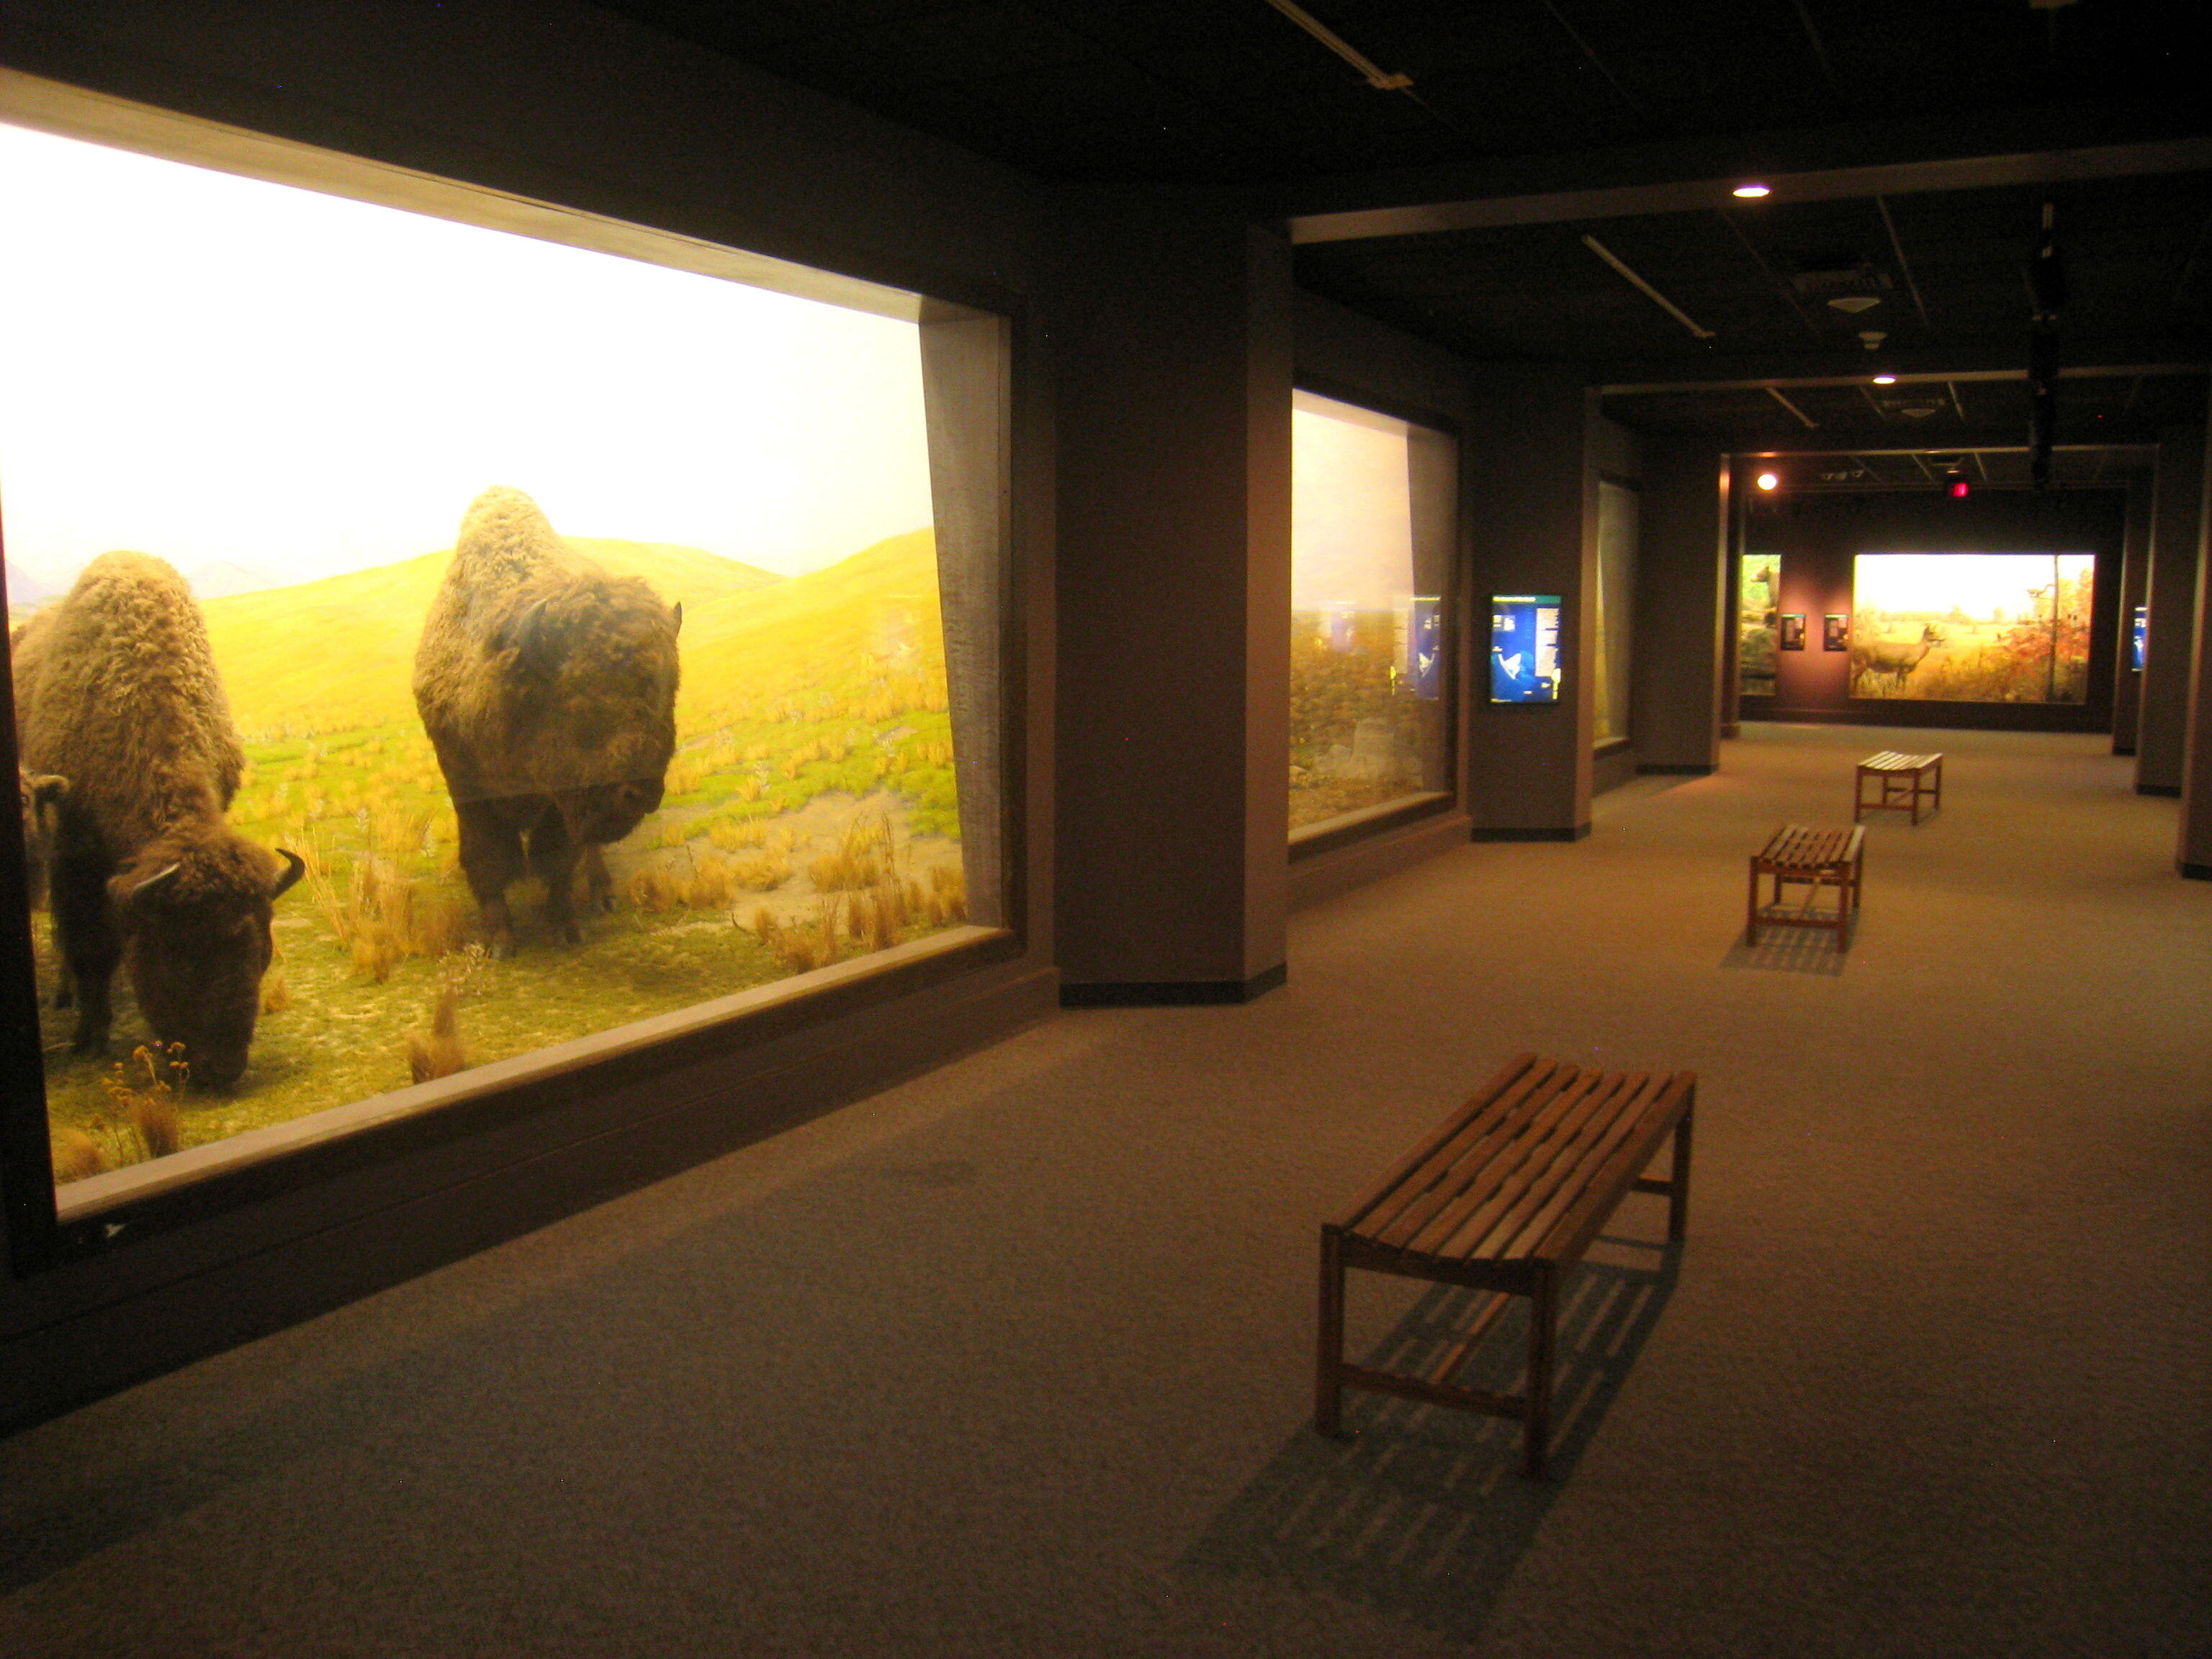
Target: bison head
[194,913]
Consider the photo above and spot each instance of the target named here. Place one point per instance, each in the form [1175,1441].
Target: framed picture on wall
[1835,632]
[1793,630]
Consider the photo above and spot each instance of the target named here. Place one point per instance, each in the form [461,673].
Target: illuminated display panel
[1971,627]
[434,647]
[1524,647]
[1373,500]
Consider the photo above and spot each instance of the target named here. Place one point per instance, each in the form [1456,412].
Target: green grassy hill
[339,654]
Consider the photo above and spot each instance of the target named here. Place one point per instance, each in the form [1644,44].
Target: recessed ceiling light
[1855,303]
[1768,480]
[1885,380]
[1751,193]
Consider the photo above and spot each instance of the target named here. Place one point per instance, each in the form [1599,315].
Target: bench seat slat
[1487,1098]
[1591,1173]
[1571,1235]
[1511,1189]
[1509,1142]
[1450,1161]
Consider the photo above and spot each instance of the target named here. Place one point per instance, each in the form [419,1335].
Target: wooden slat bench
[1505,1196]
[1905,781]
[1795,855]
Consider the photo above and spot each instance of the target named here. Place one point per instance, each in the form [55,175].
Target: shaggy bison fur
[116,685]
[548,688]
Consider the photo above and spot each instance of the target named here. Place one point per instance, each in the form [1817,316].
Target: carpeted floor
[1014,1359]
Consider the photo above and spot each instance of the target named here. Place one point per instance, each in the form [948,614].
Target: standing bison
[548,688]
[116,686]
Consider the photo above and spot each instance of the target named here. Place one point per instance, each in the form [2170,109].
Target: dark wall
[1818,536]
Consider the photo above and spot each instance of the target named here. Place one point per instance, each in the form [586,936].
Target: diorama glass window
[434,646]
[1373,500]
[1618,537]
[1759,610]
[1971,627]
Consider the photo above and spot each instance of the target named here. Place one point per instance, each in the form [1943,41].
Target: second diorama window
[1373,506]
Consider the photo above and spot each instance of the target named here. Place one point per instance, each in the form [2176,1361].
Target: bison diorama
[548,688]
[116,686]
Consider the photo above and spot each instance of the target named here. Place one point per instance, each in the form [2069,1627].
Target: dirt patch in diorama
[809,817]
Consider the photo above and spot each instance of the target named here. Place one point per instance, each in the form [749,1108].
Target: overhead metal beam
[1708,191]
[1648,291]
[1730,376]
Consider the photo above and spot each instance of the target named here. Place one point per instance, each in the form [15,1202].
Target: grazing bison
[115,684]
[548,688]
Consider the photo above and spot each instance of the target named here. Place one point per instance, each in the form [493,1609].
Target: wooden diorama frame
[967,356]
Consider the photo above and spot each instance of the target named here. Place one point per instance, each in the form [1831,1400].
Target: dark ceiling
[1535,104]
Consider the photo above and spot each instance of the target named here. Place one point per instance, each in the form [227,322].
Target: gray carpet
[1014,1359]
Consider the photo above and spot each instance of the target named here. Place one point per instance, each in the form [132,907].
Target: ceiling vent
[1849,281]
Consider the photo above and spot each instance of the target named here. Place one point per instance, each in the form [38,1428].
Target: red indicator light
[1959,489]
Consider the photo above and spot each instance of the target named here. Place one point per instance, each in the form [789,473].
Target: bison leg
[553,858]
[84,930]
[598,885]
[491,858]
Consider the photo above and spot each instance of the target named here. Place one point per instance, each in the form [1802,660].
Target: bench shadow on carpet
[1788,951]
[1423,1513]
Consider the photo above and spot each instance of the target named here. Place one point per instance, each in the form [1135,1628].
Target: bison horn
[294,867]
[162,874]
[679,627]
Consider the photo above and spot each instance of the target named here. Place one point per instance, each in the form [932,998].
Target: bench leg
[1751,910]
[1329,1392]
[1543,1319]
[1678,1180]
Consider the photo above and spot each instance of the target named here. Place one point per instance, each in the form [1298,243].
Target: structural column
[2176,514]
[1172,333]
[1535,500]
[2134,560]
[2193,856]
[1681,606]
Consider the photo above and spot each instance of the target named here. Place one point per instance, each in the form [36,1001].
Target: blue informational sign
[1524,647]
[2142,637]
[1425,648]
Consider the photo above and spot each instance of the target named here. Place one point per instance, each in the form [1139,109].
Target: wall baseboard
[1576,833]
[2197,871]
[2170,791]
[1173,993]
[1672,769]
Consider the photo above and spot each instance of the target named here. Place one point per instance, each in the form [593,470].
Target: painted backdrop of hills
[338,653]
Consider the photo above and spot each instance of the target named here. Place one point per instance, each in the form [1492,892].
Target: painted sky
[214,368]
[1976,583]
[1351,516]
